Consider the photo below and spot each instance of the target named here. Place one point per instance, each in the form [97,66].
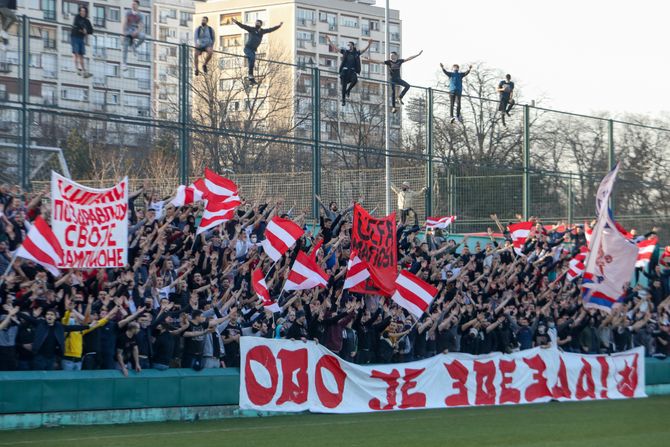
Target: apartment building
[304,37]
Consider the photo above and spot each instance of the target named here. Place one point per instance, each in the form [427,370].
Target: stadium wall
[30,399]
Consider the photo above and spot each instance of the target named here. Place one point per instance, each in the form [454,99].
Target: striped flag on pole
[221,198]
[413,293]
[439,222]
[41,246]
[576,264]
[520,232]
[215,185]
[280,236]
[261,289]
[187,195]
[357,272]
[647,248]
[305,274]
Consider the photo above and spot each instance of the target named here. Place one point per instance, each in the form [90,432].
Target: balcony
[99,22]
[49,43]
[49,14]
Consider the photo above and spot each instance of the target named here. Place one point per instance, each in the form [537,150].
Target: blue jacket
[456,80]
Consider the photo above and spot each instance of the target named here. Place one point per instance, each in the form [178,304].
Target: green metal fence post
[24,156]
[611,156]
[570,201]
[183,114]
[526,161]
[429,153]
[316,140]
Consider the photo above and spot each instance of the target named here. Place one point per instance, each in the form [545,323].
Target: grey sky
[579,55]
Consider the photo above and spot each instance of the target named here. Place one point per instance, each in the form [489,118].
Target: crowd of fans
[185,300]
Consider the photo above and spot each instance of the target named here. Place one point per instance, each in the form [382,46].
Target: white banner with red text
[287,376]
[90,224]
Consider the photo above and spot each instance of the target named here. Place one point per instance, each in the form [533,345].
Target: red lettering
[485,372]
[507,393]
[258,394]
[293,361]
[69,229]
[629,378]
[562,388]
[391,380]
[328,398]
[539,388]
[414,400]
[459,373]
[585,385]
[604,372]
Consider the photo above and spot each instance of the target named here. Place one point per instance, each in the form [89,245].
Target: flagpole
[9,267]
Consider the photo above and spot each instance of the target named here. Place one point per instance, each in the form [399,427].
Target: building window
[306,17]
[74,94]
[112,69]
[113,14]
[394,47]
[305,39]
[112,98]
[252,16]
[70,9]
[375,47]
[49,65]
[99,16]
[349,21]
[98,97]
[35,60]
[329,18]
[49,94]
[231,41]
[227,19]
[185,18]
[48,7]
[368,26]
[394,31]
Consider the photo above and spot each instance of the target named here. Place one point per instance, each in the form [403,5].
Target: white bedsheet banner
[284,375]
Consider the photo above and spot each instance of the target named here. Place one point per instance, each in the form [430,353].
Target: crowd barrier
[38,398]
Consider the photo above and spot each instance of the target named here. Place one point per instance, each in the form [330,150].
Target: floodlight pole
[387,121]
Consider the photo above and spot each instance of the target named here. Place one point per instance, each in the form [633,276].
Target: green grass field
[637,423]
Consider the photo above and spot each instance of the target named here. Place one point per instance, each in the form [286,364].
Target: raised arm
[243,26]
[414,57]
[444,70]
[273,28]
[367,46]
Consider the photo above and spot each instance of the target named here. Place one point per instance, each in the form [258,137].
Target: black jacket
[80,24]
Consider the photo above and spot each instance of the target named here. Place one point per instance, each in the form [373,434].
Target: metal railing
[151,118]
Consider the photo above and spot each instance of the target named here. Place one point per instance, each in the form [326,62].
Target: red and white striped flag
[215,185]
[439,222]
[187,195]
[665,257]
[647,248]
[280,236]
[576,265]
[413,293]
[305,274]
[221,198]
[520,232]
[41,246]
[357,272]
[261,289]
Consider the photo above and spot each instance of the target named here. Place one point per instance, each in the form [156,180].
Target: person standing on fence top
[455,89]
[350,67]
[81,28]
[133,31]
[406,198]
[7,18]
[506,90]
[394,65]
[204,43]
[254,40]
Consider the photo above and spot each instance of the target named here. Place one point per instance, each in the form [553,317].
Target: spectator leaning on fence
[406,197]
[185,301]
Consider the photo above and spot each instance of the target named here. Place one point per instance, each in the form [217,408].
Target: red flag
[280,235]
[413,294]
[305,274]
[374,242]
[261,289]
[218,186]
[221,198]
[576,265]
[41,246]
[187,195]
[520,232]
[647,248]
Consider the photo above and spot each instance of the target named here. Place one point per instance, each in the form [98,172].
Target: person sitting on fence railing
[81,29]
[394,64]
[506,91]
[204,43]
[185,301]
[455,89]
[133,31]
[254,40]
[7,19]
